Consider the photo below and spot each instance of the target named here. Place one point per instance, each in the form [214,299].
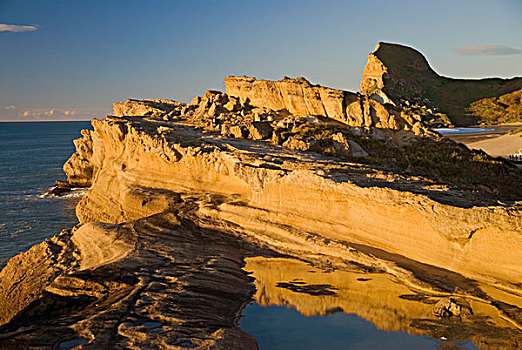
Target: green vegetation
[411,78]
[316,131]
[499,110]
[438,159]
[454,96]
[448,162]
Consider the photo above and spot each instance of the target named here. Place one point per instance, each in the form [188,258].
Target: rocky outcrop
[80,167]
[155,250]
[180,194]
[153,108]
[135,155]
[299,97]
[397,71]
[400,73]
[155,283]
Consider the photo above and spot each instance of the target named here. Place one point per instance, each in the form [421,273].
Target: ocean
[31,158]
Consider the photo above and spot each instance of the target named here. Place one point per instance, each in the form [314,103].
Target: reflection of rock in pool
[375,297]
[311,289]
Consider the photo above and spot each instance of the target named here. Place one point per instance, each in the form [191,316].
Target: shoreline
[245,191]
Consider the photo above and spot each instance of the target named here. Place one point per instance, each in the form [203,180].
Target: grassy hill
[403,73]
[503,109]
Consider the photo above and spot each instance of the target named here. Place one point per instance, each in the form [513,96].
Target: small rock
[239,131]
[260,130]
[446,307]
[278,136]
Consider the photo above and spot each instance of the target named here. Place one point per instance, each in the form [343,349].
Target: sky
[70,60]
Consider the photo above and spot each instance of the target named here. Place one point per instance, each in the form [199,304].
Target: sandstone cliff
[171,189]
[135,155]
[299,97]
[156,283]
[179,194]
[403,74]
[154,107]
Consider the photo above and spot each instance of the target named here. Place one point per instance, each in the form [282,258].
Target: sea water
[462,131]
[31,158]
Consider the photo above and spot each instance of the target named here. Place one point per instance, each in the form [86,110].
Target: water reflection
[278,327]
[352,297]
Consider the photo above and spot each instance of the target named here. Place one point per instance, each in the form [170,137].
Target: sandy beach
[495,143]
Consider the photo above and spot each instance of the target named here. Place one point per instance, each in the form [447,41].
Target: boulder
[447,307]
[260,130]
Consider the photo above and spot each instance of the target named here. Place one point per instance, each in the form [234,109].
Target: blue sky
[74,58]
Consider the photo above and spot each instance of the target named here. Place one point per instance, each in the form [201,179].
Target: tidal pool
[297,306]
[280,327]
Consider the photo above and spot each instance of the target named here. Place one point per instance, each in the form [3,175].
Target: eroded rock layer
[307,192]
[164,200]
[181,193]
[155,283]
[299,97]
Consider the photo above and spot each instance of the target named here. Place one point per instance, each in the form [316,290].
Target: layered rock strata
[133,156]
[151,107]
[299,97]
[181,193]
[332,213]
[155,283]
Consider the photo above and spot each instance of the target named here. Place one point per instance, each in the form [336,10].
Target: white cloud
[56,113]
[10,112]
[487,50]
[16,28]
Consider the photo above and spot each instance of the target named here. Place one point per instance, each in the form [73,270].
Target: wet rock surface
[387,303]
[167,284]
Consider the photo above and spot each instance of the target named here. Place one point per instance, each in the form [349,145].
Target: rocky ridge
[179,194]
[325,211]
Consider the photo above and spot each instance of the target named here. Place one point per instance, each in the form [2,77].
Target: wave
[73,193]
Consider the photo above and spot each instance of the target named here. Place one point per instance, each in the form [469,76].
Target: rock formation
[179,194]
[400,73]
[151,108]
[147,284]
[299,97]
